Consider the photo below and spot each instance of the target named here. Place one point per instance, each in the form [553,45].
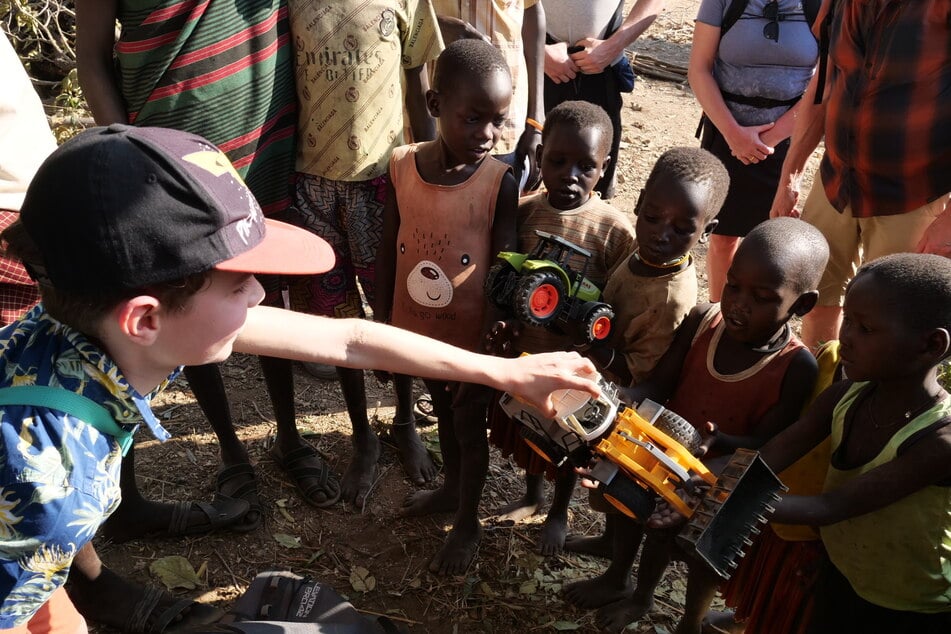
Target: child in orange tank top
[450,209]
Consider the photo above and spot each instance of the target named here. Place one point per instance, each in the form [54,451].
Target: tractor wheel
[629,497]
[543,446]
[538,297]
[675,426]
[499,284]
[596,325]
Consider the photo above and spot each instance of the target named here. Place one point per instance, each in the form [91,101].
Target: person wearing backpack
[750,63]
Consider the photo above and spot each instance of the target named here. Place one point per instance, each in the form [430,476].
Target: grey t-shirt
[749,64]
[573,20]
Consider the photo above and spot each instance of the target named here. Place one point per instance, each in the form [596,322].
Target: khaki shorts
[853,241]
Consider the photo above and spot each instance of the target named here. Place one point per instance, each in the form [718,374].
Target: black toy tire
[499,285]
[630,498]
[591,329]
[525,291]
[543,446]
[675,426]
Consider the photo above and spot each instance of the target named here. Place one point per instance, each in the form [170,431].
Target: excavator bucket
[731,512]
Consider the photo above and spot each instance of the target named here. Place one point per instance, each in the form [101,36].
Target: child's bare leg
[601,545]
[552,539]
[360,473]
[236,477]
[615,582]
[528,504]
[655,557]
[317,485]
[701,589]
[446,497]
[129,607]
[417,463]
[461,544]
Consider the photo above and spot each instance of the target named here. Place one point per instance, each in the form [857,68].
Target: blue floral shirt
[59,477]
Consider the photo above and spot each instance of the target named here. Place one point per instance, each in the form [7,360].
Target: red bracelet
[535,124]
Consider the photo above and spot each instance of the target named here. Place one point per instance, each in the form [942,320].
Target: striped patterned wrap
[219,69]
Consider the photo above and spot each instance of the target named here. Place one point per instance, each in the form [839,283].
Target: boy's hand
[526,148]
[708,437]
[665,517]
[501,337]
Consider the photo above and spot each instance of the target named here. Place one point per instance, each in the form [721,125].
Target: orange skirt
[773,588]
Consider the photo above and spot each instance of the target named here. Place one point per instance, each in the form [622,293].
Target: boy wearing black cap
[144,241]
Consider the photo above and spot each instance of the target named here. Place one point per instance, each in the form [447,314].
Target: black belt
[758,102]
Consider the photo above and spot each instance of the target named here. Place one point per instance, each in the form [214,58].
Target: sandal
[158,612]
[298,464]
[221,512]
[238,482]
[424,411]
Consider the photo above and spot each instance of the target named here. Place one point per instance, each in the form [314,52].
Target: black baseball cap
[128,207]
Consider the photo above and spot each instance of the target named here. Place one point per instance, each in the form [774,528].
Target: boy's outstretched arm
[95,41]
[356,343]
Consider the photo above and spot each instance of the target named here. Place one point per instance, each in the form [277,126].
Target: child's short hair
[921,285]
[121,211]
[695,165]
[85,310]
[795,246]
[580,115]
[465,60]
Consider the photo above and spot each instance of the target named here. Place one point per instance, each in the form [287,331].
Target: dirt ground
[375,558]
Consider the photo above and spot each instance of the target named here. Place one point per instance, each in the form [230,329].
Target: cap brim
[285,250]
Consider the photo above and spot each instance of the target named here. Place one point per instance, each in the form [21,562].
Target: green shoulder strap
[77,405]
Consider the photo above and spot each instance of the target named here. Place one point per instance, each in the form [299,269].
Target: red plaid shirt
[888,114]
[18,292]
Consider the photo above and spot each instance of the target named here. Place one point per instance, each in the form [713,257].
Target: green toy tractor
[543,290]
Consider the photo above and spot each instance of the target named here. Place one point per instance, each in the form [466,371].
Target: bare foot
[457,552]
[420,503]
[614,617]
[519,509]
[599,546]
[596,592]
[552,539]
[361,472]
[417,463]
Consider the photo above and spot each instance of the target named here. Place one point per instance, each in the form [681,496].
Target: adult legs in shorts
[853,241]
[349,216]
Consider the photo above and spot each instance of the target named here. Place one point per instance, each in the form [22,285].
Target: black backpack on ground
[281,602]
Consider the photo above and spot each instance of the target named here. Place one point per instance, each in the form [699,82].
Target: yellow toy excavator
[642,453]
